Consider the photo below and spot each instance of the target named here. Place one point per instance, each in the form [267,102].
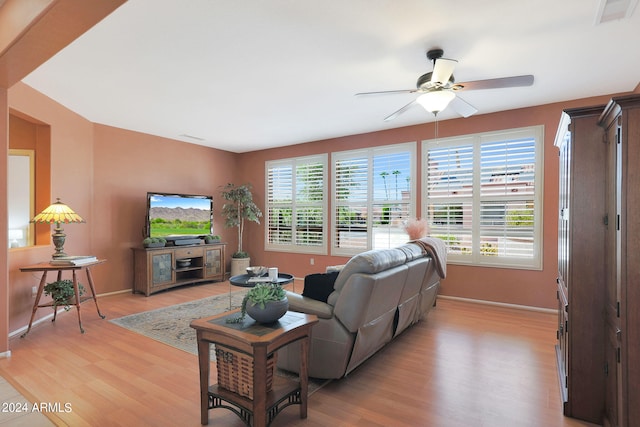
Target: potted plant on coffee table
[238,208]
[265,303]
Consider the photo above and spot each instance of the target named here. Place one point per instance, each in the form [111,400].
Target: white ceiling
[244,75]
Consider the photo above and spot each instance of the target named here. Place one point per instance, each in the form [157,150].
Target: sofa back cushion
[411,251]
[369,262]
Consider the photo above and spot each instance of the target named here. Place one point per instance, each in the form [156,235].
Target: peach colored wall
[127,165]
[71,181]
[524,287]
[104,173]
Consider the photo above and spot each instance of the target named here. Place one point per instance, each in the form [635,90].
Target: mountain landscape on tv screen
[175,221]
[183,214]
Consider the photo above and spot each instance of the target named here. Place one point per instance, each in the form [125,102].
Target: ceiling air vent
[196,138]
[613,10]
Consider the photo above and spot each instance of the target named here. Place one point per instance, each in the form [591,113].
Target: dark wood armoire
[581,265]
[598,347]
[621,123]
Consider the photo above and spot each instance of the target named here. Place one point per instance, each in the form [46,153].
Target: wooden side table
[45,268]
[260,341]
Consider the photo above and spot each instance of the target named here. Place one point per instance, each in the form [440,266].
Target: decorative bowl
[272,311]
[183,263]
[257,270]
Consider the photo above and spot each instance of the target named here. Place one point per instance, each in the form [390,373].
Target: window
[483,196]
[296,204]
[372,194]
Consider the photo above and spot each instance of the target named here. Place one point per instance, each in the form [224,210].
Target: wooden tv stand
[157,269]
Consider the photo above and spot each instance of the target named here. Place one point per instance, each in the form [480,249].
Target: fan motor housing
[434,54]
[424,81]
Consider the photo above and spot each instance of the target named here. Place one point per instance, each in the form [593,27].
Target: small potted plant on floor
[62,293]
[238,207]
[265,303]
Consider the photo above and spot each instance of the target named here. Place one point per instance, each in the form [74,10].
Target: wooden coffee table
[260,341]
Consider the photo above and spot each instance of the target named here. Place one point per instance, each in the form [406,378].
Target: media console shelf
[157,269]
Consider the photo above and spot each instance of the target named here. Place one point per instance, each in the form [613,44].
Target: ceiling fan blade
[400,111]
[442,70]
[462,107]
[386,92]
[504,82]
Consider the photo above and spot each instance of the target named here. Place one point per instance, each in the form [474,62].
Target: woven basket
[235,371]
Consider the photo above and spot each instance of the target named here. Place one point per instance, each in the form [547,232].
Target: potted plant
[62,293]
[154,242]
[238,207]
[209,239]
[265,303]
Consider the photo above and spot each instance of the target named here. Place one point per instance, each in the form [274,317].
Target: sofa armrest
[308,305]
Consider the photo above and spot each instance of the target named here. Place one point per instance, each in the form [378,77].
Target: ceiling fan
[438,89]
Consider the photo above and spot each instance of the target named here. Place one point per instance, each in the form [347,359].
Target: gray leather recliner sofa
[376,296]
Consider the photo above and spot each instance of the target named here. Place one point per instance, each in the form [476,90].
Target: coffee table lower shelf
[285,392]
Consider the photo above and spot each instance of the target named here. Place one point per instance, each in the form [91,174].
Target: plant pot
[272,311]
[154,245]
[239,265]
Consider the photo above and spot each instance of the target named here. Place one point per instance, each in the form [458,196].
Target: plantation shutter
[391,197]
[351,202]
[279,200]
[372,197]
[483,197]
[309,208]
[449,183]
[296,205]
[507,198]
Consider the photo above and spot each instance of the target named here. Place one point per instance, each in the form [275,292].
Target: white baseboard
[50,316]
[36,322]
[500,304]
[5,354]
[124,291]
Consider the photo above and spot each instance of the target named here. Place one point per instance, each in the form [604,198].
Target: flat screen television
[179,215]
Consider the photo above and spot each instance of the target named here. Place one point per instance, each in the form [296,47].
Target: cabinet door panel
[161,268]
[213,263]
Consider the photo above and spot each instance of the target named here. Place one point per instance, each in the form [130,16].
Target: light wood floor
[467,365]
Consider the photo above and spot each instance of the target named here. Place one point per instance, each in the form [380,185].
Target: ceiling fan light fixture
[435,101]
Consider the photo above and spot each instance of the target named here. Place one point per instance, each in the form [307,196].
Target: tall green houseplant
[238,207]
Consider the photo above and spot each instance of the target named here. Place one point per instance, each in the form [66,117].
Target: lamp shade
[436,100]
[56,213]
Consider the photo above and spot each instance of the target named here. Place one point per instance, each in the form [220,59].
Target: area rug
[170,325]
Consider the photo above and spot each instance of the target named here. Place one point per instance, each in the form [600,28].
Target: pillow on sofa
[334,268]
[319,286]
